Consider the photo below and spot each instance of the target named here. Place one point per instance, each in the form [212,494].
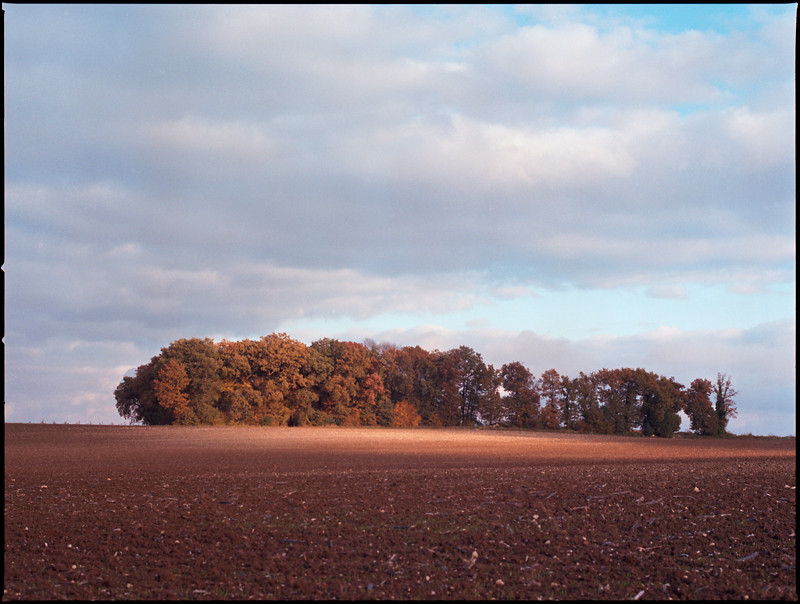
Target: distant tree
[239,404]
[619,392]
[302,406]
[274,366]
[169,387]
[277,380]
[410,374]
[446,383]
[272,409]
[588,404]
[348,382]
[521,400]
[661,399]
[550,388]
[397,373]
[631,399]
[701,412]
[202,363]
[568,403]
[491,408]
[672,396]
[610,395]
[136,398]
[236,368]
[474,381]
[425,386]
[724,404]
[279,359]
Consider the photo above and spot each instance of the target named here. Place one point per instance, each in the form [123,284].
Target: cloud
[174,171]
[435,177]
[236,145]
[675,292]
[491,156]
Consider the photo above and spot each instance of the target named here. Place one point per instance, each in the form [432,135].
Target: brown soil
[101,512]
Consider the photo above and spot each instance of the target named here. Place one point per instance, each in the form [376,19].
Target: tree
[491,408]
[446,387]
[568,403]
[609,392]
[620,395]
[701,412]
[349,384]
[271,409]
[405,416]
[273,368]
[136,398]
[586,398]
[239,404]
[278,380]
[550,387]
[661,399]
[724,404]
[169,387]
[412,375]
[521,400]
[475,381]
[202,363]
[302,403]
[235,358]
[631,399]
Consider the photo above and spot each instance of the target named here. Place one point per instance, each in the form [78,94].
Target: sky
[572,187]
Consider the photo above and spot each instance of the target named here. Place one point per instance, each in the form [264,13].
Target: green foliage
[278,381]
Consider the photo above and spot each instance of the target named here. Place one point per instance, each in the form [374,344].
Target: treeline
[280,381]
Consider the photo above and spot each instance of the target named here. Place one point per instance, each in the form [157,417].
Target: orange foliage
[277,380]
[168,387]
[405,416]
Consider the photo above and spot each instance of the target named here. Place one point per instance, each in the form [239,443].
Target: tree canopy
[277,380]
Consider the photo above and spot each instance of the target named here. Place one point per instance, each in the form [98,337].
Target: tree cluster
[279,381]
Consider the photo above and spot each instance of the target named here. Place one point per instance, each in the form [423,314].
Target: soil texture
[129,512]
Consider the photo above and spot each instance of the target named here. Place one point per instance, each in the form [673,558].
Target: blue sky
[678,18]
[572,187]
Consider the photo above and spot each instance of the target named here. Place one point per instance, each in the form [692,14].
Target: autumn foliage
[279,381]
[405,416]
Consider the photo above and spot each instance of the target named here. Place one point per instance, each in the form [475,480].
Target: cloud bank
[227,171]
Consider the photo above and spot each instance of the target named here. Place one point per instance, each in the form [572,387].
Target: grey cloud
[176,170]
[120,287]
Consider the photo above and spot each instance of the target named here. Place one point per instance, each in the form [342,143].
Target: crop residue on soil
[99,512]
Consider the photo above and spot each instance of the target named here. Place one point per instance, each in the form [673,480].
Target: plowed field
[123,512]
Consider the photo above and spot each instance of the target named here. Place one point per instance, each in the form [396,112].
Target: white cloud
[491,156]
[576,60]
[766,138]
